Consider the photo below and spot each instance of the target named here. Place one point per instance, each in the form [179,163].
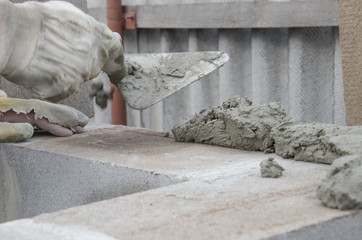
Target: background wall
[351,35]
[299,67]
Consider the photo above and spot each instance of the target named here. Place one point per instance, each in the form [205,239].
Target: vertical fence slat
[150,42]
[298,67]
[204,92]
[235,75]
[339,106]
[131,46]
[270,65]
[175,107]
[311,86]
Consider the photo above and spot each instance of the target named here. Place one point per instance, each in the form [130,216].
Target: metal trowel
[153,77]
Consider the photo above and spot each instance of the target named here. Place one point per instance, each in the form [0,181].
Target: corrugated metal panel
[300,67]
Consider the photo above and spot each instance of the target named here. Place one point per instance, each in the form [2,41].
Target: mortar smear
[342,188]
[235,124]
[270,168]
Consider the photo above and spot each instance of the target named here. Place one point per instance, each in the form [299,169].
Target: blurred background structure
[286,51]
[279,51]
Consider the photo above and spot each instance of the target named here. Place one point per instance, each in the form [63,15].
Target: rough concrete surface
[316,142]
[51,182]
[270,168]
[336,229]
[266,127]
[221,196]
[342,187]
[235,124]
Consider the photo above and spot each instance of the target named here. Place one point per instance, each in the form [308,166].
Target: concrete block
[215,192]
[34,182]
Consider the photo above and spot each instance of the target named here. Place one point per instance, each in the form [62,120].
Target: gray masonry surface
[40,182]
[174,190]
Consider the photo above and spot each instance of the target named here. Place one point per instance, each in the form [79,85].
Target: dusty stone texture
[342,187]
[316,142]
[271,169]
[235,124]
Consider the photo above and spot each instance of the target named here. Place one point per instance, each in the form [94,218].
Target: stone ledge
[222,196]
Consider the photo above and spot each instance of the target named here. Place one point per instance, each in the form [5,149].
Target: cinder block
[205,192]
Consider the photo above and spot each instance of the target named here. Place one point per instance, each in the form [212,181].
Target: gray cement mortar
[270,168]
[235,124]
[267,128]
[316,142]
[342,187]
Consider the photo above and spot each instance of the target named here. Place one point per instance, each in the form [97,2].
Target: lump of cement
[270,168]
[267,128]
[342,188]
[235,124]
[316,142]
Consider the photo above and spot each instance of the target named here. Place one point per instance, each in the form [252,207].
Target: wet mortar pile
[269,168]
[239,124]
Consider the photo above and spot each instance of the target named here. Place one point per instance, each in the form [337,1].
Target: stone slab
[221,194]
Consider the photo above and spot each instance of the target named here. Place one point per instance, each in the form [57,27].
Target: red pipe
[115,23]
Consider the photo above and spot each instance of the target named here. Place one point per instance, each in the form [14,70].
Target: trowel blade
[155,76]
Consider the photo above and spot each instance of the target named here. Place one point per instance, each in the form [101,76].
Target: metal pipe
[115,23]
